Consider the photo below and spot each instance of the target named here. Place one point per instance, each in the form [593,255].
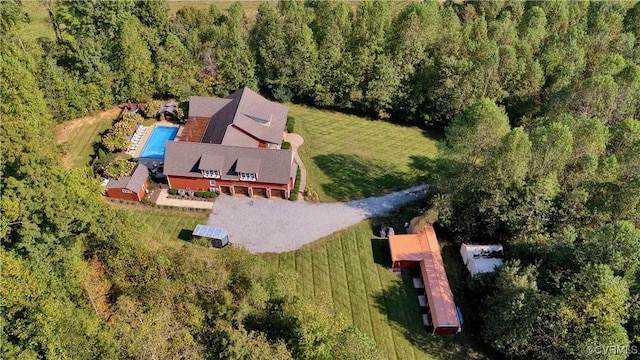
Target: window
[212,189]
[126,191]
[211,173]
[247,176]
[212,183]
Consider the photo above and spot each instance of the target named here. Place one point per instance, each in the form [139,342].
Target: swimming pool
[157,142]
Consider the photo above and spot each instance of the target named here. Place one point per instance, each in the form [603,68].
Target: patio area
[142,135]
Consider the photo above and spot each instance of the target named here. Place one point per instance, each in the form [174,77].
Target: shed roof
[169,106]
[210,232]
[483,265]
[470,251]
[423,248]
[133,182]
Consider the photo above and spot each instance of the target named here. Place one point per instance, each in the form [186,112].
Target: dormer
[247,169]
[211,165]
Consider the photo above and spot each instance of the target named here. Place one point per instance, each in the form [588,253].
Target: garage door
[277,193]
[241,190]
[225,190]
[262,192]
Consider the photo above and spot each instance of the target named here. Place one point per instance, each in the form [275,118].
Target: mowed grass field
[350,157]
[77,137]
[161,227]
[347,269]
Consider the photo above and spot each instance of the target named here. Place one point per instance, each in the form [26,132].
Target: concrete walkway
[194,204]
[268,225]
[296,140]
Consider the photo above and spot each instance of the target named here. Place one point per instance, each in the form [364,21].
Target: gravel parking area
[264,225]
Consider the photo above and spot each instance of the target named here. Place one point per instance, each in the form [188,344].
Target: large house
[232,146]
[132,187]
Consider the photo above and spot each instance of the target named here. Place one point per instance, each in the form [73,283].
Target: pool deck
[136,153]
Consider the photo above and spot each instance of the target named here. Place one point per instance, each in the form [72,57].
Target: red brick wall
[445,330]
[116,193]
[403,264]
[182,182]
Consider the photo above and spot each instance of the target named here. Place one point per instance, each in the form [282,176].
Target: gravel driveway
[264,225]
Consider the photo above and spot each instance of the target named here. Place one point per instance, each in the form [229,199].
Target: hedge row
[291,121]
[296,188]
[200,194]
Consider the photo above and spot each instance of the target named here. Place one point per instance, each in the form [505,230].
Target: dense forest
[540,106]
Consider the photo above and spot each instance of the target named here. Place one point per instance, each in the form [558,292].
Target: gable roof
[186,159]
[235,137]
[168,107]
[211,161]
[243,117]
[423,247]
[202,106]
[133,182]
[248,165]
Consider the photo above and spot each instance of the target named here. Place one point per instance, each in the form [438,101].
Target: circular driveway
[265,225]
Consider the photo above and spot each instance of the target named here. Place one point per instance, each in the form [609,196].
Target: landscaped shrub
[212,194]
[119,168]
[152,108]
[173,191]
[115,138]
[291,121]
[296,188]
[199,194]
[311,195]
[286,145]
[282,94]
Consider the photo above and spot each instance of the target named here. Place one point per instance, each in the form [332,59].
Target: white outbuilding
[482,258]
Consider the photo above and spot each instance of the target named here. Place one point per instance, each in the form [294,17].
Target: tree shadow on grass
[353,177]
[381,252]
[185,235]
[399,303]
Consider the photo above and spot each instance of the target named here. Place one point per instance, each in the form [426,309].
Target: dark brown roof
[133,182]
[168,107]
[185,158]
[248,165]
[201,106]
[245,111]
[211,161]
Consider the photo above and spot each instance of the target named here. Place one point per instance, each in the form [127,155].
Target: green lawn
[347,269]
[162,227]
[77,137]
[350,157]
[39,24]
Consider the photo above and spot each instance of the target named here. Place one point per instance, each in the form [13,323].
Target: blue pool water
[157,142]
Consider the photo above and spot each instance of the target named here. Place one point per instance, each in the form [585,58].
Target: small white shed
[217,236]
[481,258]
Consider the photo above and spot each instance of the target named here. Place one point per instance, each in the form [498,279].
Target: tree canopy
[540,106]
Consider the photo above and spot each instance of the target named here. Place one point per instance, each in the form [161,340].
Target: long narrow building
[420,251]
